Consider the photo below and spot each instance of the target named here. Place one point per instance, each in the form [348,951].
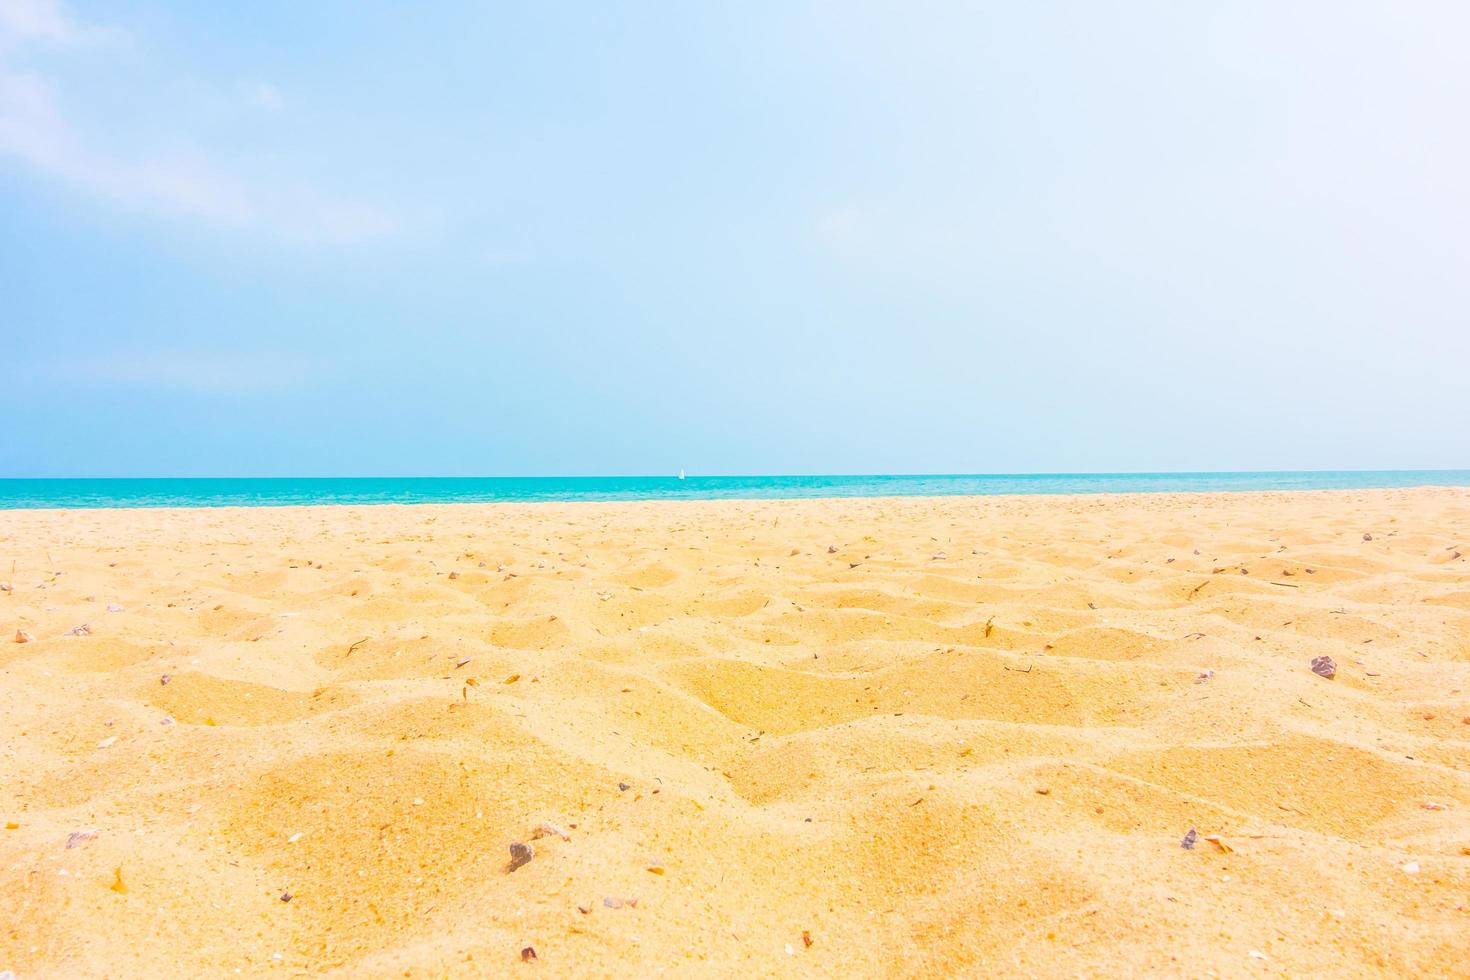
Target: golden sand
[969,740]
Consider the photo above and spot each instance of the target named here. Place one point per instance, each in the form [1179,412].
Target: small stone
[1043,791]
[21,636]
[614,902]
[831,549]
[165,678]
[1367,537]
[294,838]
[521,855]
[1324,666]
[623,787]
[113,607]
[286,896]
[6,587]
[1412,868]
[528,954]
[82,630]
[1188,842]
[106,742]
[453,576]
[1204,676]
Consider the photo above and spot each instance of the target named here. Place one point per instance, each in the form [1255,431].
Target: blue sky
[546,238]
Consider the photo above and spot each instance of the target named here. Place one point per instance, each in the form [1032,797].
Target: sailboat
[681,472]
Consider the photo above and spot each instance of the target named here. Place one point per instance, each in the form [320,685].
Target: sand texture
[967,741]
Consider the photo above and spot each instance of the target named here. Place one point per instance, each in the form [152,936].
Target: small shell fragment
[106,742]
[79,837]
[547,829]
[21,636]
[1224,847]
[82,630]
[613,902]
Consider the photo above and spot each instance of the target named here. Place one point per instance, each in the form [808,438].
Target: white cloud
[262,94]
[186,183]
[46,21]
[204,372]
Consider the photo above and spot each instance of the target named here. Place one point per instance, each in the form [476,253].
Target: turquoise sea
[16,494]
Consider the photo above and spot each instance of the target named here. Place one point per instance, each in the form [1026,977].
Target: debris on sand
[82,630]
[453,576]
[286,896]
[1324,666]
[107,742]
[1223,847]
[1367,537]
[613,902]
[113,607]
[806,938]
[117,881]
[528,954]
[6,587]
[520,855]
[548,829]
[165,678]
[1188,842]
[831,549]
[79,837]
[1204,676]
[21,636]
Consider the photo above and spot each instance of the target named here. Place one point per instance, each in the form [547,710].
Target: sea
[292,491]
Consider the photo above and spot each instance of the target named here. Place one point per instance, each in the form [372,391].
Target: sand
[968,740]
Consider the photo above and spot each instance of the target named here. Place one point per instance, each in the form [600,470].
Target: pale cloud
[200,372]
[46,21]
[188,183]
[261,94]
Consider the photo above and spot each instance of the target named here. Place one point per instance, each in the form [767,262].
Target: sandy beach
[894,737]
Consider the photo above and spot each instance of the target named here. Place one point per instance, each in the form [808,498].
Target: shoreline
[1111,495]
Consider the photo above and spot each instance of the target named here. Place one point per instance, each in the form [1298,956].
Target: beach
[865,737]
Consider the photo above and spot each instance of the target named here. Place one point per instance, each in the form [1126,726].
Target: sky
[545,238]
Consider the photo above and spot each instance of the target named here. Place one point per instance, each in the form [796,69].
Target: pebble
[82,630]
[1412,868]
[21,636]
[1324,666]
[521,854]
[113,607]
[109,740]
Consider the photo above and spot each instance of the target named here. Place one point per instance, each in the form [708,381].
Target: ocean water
[29,494]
